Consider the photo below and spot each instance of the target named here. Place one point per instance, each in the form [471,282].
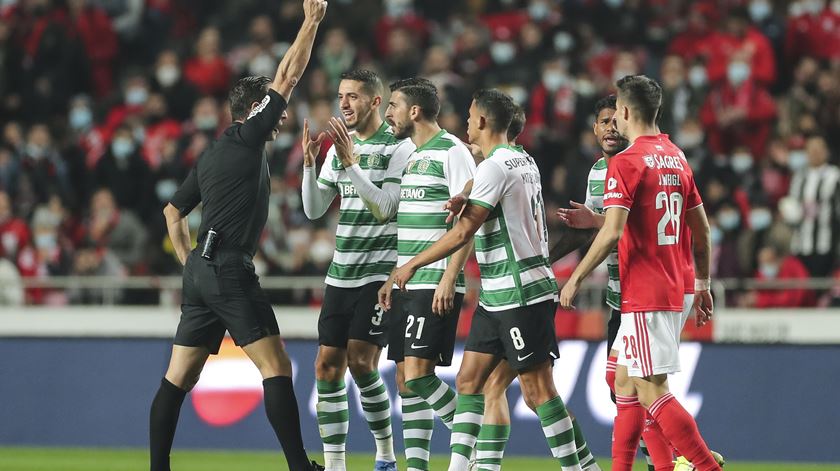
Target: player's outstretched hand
[579,216]
[455,205]
[314,10]
[311,147]
[342,141]
[704,307]
[384,294]
[567,294]
[402,275]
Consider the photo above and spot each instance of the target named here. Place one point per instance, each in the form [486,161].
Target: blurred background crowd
[106,104]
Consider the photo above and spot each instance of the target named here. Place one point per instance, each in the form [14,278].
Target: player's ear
[414,112]
[626,113]
[482,122]
[376,102]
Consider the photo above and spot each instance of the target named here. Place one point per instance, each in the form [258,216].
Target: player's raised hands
[311,147]
[314,10]
[579,216]
[342,141]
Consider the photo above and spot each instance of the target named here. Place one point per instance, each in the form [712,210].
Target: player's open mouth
[611,140]
[347,114]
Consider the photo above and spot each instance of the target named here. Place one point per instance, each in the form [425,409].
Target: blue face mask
[45,241]
[136,96]
[716,235]
[81,118]
[760,10]
[760,219]
[738,72]
[122,148]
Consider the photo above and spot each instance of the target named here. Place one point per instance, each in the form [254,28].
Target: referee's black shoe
[317,467]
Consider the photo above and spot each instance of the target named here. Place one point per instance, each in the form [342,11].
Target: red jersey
[653,181]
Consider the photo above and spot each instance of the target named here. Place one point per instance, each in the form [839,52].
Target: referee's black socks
[282,410]
[163,419]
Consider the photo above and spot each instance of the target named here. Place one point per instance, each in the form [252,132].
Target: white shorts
[648,342]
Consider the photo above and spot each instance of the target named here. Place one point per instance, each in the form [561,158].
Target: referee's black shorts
[223,294]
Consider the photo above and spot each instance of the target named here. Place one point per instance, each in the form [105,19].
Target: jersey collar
[381,130]
[431,141]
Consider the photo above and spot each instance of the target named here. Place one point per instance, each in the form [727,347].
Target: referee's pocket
[207,279]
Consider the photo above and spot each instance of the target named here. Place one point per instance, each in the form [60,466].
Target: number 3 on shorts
[516,336]
[377,317]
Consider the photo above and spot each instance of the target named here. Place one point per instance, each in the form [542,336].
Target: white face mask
[728,219]
[790,210]
[797,160]
[769,270]
[321,251]
[563,41]
[741,162]
[167,75]
[760,10]
[760,219]
[738,72]
[538,10]
[697,77]
[716,235]
[502,52]
[518,94]
[553,80]
[136,96]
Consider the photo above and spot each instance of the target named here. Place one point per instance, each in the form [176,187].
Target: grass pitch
[92,459]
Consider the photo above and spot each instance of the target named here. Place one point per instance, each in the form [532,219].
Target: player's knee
[185,380]
[467,384]
[360,366]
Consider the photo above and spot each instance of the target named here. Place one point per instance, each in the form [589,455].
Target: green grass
[81,459]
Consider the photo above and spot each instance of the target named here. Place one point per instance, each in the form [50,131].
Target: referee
[221,290]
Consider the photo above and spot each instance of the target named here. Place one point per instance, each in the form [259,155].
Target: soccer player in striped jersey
[364,168]
[495,428]
[426,313]
[515,318]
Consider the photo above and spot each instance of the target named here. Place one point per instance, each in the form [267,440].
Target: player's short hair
[607,102]
[643,94]
[517,124]
[497,106]
[371,83]
[419,92]
[246,91]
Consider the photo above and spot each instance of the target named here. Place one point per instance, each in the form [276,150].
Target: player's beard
[361,120]
[407,130]
[621,144]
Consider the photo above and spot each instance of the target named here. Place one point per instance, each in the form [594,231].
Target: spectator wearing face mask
[740,40]
[117,230]
[693,42]
[551,111]
[158,128]
[813,208]
[49,254]
[728,222]
[680,101]
[739,111]
[43,168]
[762,228]
[14,233]
[169,80]
[124,173]
[774,264]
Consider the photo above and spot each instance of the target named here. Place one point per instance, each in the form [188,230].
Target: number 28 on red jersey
[652,180]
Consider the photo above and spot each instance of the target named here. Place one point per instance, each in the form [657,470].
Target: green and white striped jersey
[365,249]
[436,171]
[512,244]
[595,202]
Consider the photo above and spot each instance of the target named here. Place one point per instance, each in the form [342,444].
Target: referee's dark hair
[247,91]
[371,83]
[419,92]
[498,108]
[517,124]
[642,94]
[607,102]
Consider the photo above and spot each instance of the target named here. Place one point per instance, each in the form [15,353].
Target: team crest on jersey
[612,183]
[374,160]
[423,165]
[650,161]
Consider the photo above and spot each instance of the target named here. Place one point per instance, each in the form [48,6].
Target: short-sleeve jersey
[365,249]
[512,244]
[653,181]
[436,171]
[595,202]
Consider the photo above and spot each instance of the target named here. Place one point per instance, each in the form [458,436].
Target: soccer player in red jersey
[650,201]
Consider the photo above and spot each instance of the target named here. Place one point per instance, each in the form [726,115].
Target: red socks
[679,426]
[659,449]
[626,432]
[611,363]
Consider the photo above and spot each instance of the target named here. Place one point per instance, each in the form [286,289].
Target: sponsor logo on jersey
[664,161]
[374,160]
[613,194]
[612,183]
[348,190]
[259,107]
[649,161]
[412,193]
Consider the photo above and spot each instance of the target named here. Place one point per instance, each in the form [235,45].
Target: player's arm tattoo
[570,240]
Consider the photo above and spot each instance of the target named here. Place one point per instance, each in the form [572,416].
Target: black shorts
[352,313]
[524,336]
[612,328]
[223,294]
[417,332]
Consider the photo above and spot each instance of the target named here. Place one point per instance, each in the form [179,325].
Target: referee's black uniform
[231,180]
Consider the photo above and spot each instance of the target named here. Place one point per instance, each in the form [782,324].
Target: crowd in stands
[106,104]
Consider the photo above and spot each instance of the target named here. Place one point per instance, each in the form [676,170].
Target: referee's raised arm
[295,60]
